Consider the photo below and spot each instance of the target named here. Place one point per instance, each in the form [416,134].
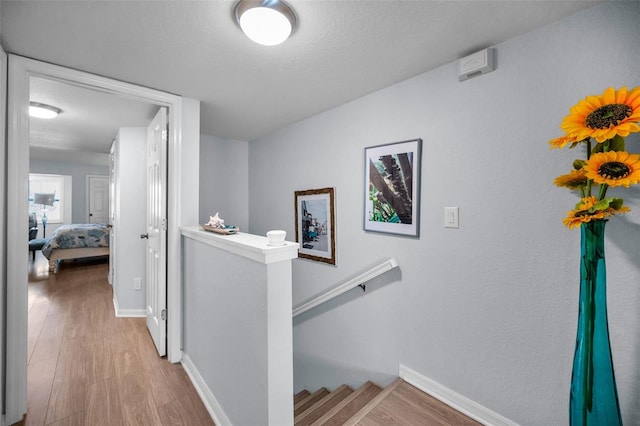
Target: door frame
[88,193]
[183,160]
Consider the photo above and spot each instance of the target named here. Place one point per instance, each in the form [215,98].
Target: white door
[157,230]
[98,201]
[112,210]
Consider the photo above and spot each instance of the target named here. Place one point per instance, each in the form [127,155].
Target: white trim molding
[254,247]
[184,140]
[3,220]
[453,399]
[17,257]
[211,404]
[128,313]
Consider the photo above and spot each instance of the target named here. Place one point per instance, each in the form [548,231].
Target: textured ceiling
[88,120]
[341,50]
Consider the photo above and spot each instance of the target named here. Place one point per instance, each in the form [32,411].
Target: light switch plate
[451,217]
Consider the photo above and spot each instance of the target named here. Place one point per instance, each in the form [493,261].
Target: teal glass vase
[594,397]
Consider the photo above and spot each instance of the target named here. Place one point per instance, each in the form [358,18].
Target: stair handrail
[359,280]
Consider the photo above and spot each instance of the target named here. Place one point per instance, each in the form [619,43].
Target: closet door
[156,235]
[112,209]
[98,199]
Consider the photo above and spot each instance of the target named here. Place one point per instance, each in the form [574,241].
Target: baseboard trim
[128,313]
[453,399]
[211,404]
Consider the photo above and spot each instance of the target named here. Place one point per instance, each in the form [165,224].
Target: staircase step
[403,404]
[318,409]
[373,403]
[408,404]
[307,402]
[349,406]
[300,396]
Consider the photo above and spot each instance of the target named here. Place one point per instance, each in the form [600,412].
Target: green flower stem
[587,361]
[589,181]
[589,349]
[603,191]
[589,326]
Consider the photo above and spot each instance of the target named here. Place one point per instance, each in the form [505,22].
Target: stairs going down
[399,404]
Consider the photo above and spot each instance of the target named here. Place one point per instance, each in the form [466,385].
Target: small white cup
[276,237]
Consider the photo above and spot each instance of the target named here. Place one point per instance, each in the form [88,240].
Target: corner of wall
[208,399]
[453,399]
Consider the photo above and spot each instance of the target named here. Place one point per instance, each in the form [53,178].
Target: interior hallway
[87,367]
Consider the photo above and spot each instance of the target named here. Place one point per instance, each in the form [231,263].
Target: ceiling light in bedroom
[267,22]
[43,111]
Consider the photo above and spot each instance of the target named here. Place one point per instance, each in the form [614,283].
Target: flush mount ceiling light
[267,22]
[43,111]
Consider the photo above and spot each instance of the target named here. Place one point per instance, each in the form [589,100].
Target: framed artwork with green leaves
[392,188]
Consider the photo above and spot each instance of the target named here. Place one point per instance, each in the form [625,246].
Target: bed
[77,241]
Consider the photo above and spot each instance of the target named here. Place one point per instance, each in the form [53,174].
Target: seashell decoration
[215,221]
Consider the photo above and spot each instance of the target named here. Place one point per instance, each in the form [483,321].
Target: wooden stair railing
[370,405]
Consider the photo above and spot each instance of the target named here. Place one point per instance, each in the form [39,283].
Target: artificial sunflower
[613,168]
[603,117]
[608,119]
[586,203]
[575,218]
[590,208]
[561,142]
[574,180]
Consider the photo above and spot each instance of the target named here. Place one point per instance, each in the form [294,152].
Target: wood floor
[397,404]
[87,367]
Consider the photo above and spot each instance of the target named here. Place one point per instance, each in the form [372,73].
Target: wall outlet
[137,283]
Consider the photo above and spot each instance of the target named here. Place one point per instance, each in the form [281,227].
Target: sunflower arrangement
[606,119]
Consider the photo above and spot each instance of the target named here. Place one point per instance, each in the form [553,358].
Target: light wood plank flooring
[87,367]
[397,404]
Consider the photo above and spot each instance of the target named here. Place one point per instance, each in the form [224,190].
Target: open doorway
[183,143]
[76,142]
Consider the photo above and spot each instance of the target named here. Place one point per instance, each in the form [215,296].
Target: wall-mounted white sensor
[475,64]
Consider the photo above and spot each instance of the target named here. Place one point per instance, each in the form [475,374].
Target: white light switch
[451,217]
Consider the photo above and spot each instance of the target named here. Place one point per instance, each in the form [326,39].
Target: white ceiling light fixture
[43,111]
[266,22]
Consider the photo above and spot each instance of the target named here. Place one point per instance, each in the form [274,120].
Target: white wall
[130,221]
[78,173]
[488,310]
[224,180]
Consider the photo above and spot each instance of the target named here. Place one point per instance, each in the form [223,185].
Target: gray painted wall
[78,173]
[232,356]
[129,250]
[224,180]
[488,310]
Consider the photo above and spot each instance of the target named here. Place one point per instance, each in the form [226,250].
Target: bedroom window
[50,195]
